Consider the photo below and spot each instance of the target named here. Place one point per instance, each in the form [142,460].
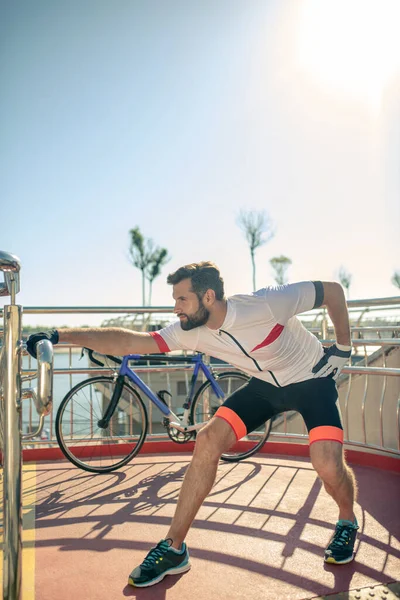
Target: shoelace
[342,536]
[156,553]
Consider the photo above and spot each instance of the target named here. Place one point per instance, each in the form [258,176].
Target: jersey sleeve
[286,301]
[173,337]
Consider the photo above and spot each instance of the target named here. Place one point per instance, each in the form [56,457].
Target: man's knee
[215,438]
[328,461]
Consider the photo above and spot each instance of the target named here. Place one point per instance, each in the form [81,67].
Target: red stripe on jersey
[161,343]
[271,337]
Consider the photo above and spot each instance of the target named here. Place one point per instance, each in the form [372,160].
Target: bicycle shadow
[151,492]
[148,496]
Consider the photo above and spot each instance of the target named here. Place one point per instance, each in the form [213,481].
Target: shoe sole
[332,561]
[173,571]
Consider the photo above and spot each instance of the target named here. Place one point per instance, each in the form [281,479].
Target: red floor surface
[260,534]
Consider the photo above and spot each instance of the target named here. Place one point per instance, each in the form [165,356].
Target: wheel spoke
[84,442]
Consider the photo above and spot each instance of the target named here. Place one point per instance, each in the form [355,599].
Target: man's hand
[33,339]
[333,361]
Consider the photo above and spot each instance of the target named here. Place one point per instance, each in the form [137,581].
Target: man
[289,369]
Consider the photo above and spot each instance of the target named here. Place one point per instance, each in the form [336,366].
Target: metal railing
[318,322]
[11,439]
[379,339]
[10,421]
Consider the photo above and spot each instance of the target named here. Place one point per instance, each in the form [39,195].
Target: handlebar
[10,265]
[140,357]
[43,395]
[45,358]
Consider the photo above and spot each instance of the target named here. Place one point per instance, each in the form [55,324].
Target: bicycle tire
[198,414]
[98,450]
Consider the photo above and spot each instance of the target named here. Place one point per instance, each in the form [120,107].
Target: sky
[174,116]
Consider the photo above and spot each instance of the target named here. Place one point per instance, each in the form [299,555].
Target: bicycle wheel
[86,444]
[206,403]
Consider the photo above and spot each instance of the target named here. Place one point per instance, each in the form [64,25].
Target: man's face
[190,310]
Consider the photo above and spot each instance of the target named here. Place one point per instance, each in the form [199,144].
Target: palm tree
[147,258]
[280,264]
[258,230]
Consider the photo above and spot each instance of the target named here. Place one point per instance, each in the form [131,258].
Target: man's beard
[199,318]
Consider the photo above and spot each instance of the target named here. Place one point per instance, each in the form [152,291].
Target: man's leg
[339,481]
[328,460]
[244,411]
[214,439]
[171,556]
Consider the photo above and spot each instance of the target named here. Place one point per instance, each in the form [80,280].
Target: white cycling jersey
[260,334]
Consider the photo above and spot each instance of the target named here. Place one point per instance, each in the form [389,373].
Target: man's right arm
[116,340]
[110,340]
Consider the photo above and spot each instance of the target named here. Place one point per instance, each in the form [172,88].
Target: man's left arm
[336,356]
[336,305]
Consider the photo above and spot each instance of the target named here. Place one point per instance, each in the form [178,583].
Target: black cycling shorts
[257,401]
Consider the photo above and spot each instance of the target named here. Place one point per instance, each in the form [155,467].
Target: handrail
[28,374]
[43,395]
[11,417]
[36,310]
[391,300]
[45,358]
[367,342]
[10,265]
[368,328]
[372,371]
[370,303]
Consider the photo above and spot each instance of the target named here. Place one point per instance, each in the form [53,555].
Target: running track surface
[260,534]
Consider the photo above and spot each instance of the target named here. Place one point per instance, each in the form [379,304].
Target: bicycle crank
[179,437]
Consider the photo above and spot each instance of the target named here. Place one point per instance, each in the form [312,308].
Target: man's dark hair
[203,276]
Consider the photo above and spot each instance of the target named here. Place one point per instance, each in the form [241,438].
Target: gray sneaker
[162,560]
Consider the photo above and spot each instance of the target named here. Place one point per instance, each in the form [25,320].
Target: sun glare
[351,47]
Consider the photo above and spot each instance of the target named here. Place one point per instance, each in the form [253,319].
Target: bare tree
[144,256]
[396,279]
[345,279]
[280,264]
[258,230]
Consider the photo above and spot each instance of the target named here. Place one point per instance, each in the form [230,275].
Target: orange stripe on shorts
[229,415]
[326,432]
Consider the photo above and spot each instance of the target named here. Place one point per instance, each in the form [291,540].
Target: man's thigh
[317,401]
[250,406]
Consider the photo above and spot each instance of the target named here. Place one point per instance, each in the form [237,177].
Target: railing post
[12,455]
[11,415]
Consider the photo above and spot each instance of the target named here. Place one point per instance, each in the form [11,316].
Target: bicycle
[102,422]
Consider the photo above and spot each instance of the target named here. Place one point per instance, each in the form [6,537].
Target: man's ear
[209,297]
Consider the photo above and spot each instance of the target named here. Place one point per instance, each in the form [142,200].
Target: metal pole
[12,495]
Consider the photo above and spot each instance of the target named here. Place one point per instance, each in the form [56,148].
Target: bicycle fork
[104,422]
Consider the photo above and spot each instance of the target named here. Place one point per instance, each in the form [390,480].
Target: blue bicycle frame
[197,360]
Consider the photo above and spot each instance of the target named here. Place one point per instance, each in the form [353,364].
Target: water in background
[61,385]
